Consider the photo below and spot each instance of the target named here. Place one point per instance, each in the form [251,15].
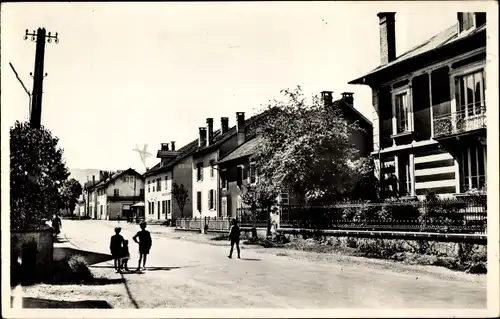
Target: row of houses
[428,131]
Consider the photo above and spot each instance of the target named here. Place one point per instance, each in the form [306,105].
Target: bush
[74,269]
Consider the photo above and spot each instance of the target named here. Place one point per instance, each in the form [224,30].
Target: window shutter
[198,201]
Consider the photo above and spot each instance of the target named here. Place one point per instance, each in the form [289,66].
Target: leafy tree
[180,195]
[71,190]
[37,174]
[306,148]
[260,196]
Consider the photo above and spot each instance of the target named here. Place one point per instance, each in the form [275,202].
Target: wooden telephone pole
[40,36]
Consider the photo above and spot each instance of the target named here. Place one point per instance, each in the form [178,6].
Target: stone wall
[35,251]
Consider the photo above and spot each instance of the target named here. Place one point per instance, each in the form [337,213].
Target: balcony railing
[460,122]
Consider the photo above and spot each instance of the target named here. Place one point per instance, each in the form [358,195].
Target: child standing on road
[145,243]
[125,255]
[115,247]
[234,238]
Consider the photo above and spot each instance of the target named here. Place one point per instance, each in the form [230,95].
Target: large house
[238,170]
[175,166]
[213,145]
[111,198]
[430,111]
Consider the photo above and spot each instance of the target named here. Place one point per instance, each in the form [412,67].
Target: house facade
[174,167]
[429,109]
[214,145]
[237,169]
[113,196]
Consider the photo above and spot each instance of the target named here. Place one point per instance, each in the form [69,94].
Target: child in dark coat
[234,238]
[115,247]
[125,255]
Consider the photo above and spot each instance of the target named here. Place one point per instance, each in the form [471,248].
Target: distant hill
[80,174]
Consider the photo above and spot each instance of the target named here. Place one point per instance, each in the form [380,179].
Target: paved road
[189,274]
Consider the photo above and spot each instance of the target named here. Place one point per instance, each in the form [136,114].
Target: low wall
[35,249]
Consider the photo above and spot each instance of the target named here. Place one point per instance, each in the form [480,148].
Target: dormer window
[469,20]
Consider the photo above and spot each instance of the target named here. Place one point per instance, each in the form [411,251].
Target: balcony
[459,123]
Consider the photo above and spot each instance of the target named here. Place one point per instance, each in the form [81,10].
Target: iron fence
[459,122]
[466,215]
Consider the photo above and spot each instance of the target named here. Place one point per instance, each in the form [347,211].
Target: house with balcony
[175,166]
[237,169]
[113,196]
[214,145]
[429,109]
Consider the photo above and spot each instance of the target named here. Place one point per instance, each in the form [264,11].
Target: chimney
[224,125]
[210,131]
[202,140]
[164,146]
[240,127]
[93,179]
[173,146]
[101,175]
[327,97]
[387,37]
[348,97]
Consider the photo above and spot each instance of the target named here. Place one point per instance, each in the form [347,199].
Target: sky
[145,73]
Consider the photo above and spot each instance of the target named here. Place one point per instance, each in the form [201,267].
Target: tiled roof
[343,103]
[115,176]
[183,153]
[246,149]
[445,37]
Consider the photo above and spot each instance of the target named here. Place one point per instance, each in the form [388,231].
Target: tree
[71,190]
[306,148]
[37,173]
[260,197]
[180,195]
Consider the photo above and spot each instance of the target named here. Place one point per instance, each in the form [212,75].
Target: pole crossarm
[48,36]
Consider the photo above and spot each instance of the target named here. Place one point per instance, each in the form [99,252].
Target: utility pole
[40,36]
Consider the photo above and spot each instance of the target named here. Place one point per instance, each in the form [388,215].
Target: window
[212,168]
[141,192]
[472,168]
[100,209]
[168,207]
[149,190]
[465,20]
[158,184]
[211,199]
[152,207]
[198,201]
[199,172]
[405,183]
[239,176]
[402,112]
[159,208]
[284,199]
[253,173]
[153,185]
[223,179]
[116,192]
[470,93]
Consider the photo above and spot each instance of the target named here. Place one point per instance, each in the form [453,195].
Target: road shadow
[61,253]
[251,259]
[39,303]
[132,270]
[59,240]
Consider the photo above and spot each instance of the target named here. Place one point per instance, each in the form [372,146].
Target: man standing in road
[234,238]
[145,243]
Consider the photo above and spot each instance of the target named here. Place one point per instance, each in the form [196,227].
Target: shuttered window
[198,201]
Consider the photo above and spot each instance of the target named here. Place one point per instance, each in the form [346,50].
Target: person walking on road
[145,243]
[116,247]
[234,238]
[56,225]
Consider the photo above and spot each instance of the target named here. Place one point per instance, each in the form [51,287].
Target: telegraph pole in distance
[40,36]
